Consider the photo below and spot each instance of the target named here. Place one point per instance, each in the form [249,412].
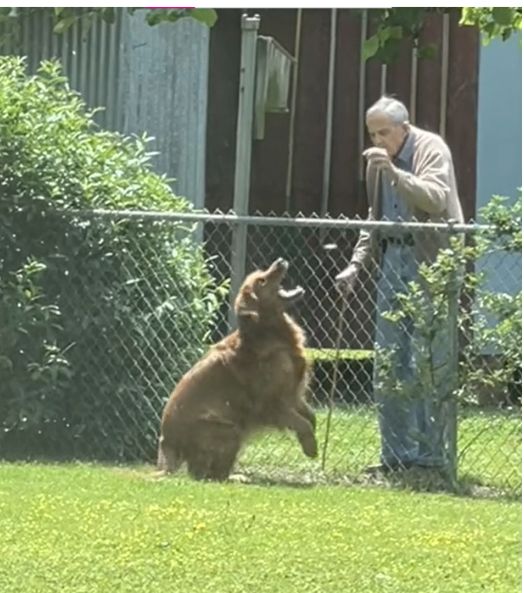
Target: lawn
[93,529]
[489,446]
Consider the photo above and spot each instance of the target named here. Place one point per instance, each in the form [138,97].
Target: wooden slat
[462,102]
[269,158]
[345,157]
[224,64]
[429,76]
[310,123]
[398,79]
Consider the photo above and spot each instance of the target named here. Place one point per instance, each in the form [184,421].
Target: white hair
[390,107]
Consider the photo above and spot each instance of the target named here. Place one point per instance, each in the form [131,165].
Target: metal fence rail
[135,315]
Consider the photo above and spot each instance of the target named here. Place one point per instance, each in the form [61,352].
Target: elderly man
[409,175]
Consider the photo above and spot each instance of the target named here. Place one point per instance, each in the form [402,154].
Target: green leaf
[395,32]
[5,14]
[154,17]
[208,16]
[63,24]
[503,16]
[370,47]
[109,15]
[428,52]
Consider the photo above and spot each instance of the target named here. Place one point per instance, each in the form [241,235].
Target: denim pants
[411,423]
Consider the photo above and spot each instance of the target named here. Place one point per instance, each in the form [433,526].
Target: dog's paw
[310,449]
[239,478]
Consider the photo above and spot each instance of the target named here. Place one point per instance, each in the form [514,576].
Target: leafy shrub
[354,372]
[100,315]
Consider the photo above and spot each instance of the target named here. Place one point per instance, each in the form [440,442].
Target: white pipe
[329,114]
[383,78]
[413,86]
[444,75]
[291,137]
[244,141]
[362,96]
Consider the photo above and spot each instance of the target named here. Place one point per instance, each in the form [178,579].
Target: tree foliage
[393,25]
[99,317]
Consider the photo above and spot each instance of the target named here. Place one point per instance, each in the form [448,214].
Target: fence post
[453,333]
[246,98]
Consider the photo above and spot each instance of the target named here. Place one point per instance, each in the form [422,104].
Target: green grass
[489,448]
[93,529]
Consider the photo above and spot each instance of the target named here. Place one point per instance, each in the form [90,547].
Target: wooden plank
[270,155]
[223,78]
[344,194]
[429,76]
[398,78]
[310,130]
[462,102]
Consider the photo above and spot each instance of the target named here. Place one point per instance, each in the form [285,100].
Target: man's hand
[347,279]
[379,159]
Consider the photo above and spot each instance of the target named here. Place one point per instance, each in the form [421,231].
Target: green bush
[100,317]
[355,374]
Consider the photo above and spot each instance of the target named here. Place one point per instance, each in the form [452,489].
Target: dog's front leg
[307,412]
[304,431]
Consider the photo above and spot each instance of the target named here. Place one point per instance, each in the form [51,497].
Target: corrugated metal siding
[89,56]
[163,90]
[147,79]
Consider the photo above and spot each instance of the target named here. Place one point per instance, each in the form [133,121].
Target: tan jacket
[430,192]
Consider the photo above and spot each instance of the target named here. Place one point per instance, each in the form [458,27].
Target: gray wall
[148,79]
[499,153]
[163,91]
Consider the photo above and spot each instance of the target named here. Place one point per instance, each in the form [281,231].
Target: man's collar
[406,150]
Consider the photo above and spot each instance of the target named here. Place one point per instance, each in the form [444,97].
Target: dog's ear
[246,307]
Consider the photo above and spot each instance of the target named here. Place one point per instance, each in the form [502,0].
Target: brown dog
[253,378]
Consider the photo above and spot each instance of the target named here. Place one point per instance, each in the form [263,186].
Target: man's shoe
[387,468]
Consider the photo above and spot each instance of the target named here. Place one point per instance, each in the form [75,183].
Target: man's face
[386,134]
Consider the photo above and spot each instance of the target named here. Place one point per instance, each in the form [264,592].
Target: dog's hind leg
[224,458]
[214,456]
[199,464]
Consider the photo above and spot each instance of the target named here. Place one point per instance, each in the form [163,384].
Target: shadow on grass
[433,480]
[413,479]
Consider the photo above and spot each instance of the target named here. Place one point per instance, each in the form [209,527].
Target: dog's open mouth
[280,266]
[291,295]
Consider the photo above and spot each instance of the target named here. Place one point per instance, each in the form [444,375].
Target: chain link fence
[139,297]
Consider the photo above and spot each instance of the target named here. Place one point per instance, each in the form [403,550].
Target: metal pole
[444,75]
[383,79]
[362,100]
[246,97]
[413,86]
[334,378]
[291,137]
[329,115]
[452,425]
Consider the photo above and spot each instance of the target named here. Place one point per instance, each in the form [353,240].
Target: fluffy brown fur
[254,378]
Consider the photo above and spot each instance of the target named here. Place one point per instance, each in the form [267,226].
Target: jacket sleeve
[363,248]
[427,189]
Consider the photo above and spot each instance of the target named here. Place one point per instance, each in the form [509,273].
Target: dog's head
[262,293]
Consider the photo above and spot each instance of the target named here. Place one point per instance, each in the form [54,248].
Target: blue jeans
[412,422]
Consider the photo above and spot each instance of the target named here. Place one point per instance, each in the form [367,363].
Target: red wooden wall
[270,156]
